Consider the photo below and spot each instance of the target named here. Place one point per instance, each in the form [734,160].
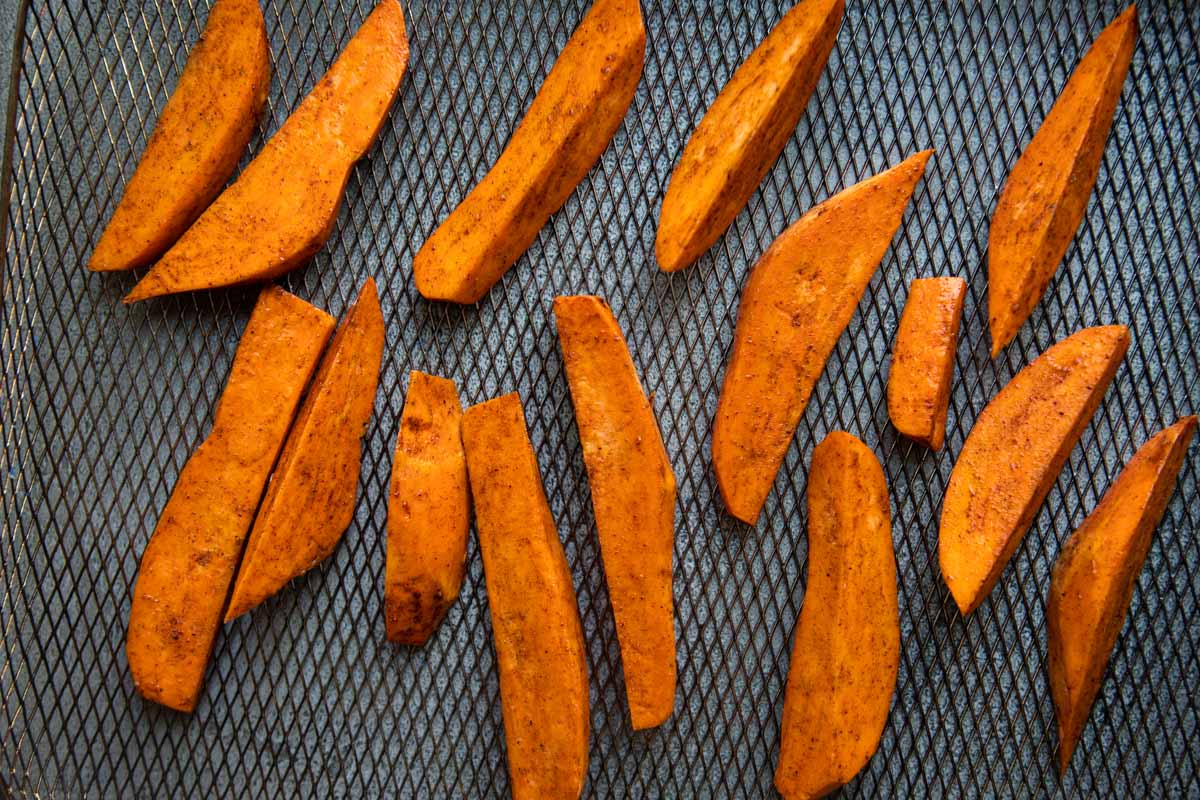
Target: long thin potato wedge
[535,614]
[800,296]
[1013,456]
[1092,582]
[633,496]
[744,131]
[200,135]
[429,512]
[310,500]
[569,124]
[188,565]
[282,208]
[918,389]
[1046,194]
[847,651]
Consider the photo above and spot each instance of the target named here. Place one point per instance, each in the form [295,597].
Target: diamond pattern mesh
[102,404]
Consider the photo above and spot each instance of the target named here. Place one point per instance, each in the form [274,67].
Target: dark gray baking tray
[101,404]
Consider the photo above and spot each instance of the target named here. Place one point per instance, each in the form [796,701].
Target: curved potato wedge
[800,296]
[535,615]
[310,500]
[918,388]
[633,496]
[188,565]
[744,131]
[1046,194]
[200,135]
[569,124]
[1092,582]
[282,208]
[429,511]
[847,651]
[1013,456]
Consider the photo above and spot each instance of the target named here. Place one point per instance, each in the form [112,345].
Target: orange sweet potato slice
[428,512]
[633,496]
[847,651]
[535,615]
[798,300]
[188,565]
[282,208]
[569,124]
[1046,194]
[918,389]
[1013,456]
[310,500]
[1092,582]
[744,131]
[195,147]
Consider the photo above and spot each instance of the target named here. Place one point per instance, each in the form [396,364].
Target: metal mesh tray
[102,404]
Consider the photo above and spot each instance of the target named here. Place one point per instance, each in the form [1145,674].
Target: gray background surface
[101,405]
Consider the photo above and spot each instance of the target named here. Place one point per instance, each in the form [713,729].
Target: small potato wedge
[429,511]
[189,563]
[569,124]
[310,500]
[633,496]
[535,615]
[1013,456]
[282,208]
[200,135]
[799,298]
[1046,194]
[918,389]
[1092,581]
[847,651]
[744,131]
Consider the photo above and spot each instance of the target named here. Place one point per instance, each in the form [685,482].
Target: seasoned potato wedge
[1013,456]
[1092,582]
[188,565]
[428,512]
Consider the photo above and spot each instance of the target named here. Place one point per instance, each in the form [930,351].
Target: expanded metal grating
[103,403]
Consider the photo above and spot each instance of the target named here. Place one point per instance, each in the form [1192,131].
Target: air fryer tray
[103,403]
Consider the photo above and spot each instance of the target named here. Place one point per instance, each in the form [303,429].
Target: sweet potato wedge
[1013,456]
[798,300]
[310,500]
[429,512]
[1092,581]
[200,135]
[188,565]
[918,389]
[846,655]
[1046,194]
[535,615]
[744,131]
[633,497]
[569,124]
[282,208]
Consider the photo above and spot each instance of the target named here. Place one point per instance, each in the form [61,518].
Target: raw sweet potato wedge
[282,208]
[188,565]
[800,296]
[429,511]
[1092,582]
[196,144]
[1046,194]
[1013,456]
[633,497]
[918,389]
[535,615]
[569,124]
[310,500]
[846,655]
[744,131]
